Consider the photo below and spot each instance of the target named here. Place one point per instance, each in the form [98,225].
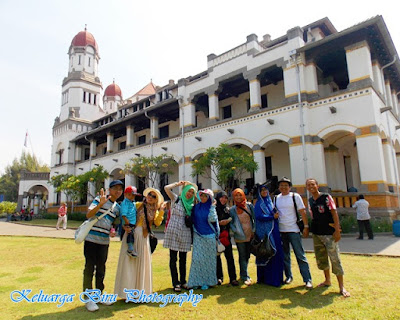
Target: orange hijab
[242,204]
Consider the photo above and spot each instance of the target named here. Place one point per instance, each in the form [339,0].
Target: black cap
[116,183]
[284,179]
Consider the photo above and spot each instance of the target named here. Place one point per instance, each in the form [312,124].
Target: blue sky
[138,41]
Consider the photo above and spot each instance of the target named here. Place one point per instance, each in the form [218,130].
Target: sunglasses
[152,195]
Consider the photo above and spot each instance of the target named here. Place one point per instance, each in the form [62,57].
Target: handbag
[188,221]
[83,230]
[299,221]
[152,238]
[263,248]
[220,248]
[224,238]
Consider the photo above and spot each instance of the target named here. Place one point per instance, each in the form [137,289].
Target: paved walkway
[386,245]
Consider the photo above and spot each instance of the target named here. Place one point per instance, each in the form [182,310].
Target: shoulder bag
[152,238]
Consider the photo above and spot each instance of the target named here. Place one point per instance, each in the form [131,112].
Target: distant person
[62,216]
[363,217]
[325,228]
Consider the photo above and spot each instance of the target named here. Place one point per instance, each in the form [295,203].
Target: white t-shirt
[362,209]
[287,213]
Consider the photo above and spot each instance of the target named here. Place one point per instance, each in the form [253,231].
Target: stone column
[110,142]
[255,94]
[376,71]
[130,141]
[154,127]
[93,145]
[371,160]
[335,169]
[389,102]
[78,152]
[214,185]
[213,107]
[260,175]
[185,169]
[359,64]
[388,156]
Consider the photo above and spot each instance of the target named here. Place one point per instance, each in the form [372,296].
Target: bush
[348,223]
[381,225]
[8,207]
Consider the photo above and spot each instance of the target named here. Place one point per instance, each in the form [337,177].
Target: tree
[76,187]
[9,181]
[150,168]
[226,163]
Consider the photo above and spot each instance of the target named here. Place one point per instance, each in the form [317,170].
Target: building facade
[314,102]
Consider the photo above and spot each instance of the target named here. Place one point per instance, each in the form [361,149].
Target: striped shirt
[100,232]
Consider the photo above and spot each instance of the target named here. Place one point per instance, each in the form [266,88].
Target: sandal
[177,288]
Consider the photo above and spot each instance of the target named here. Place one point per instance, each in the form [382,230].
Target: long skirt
[204,262]
[134,273]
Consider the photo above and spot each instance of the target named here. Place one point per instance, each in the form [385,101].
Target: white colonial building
[314,102]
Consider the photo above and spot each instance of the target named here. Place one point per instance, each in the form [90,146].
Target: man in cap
[287,203]
[98,240]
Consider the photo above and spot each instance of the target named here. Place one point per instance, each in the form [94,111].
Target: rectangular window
[142,139]
[79,59]
[227,112]
[104,150]
[248,104]
[163,132]
[122,145]
[264,101]
[84,96]
[135,108]
[94,99]
[89,62]
[87,154]
[90,98]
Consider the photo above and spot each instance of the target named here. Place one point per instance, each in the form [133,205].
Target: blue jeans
[244,256]
[294,238]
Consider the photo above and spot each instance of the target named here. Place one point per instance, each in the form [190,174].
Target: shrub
[8,207]
[381,225]
[348,223]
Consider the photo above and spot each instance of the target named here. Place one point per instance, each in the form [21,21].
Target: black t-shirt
[322,215]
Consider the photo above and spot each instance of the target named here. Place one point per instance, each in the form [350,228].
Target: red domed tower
[81,89]
[112,98]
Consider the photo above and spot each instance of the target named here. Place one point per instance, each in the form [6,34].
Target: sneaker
[288,280]
[177,288]
[131,254]
[219,282]
[248,282]
[309,285]
[91,306]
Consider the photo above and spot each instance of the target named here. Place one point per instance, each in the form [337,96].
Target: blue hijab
[200,219]
[264,206]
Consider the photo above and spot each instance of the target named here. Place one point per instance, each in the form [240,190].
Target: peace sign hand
[103,197]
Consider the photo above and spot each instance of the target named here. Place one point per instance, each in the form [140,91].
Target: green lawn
[56,265]
[70,224]
[50,223]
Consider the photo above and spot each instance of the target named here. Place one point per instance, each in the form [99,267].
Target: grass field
[56,265]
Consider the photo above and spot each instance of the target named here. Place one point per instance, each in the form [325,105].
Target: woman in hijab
[136,273]
[178,237]
[224,219]
[243,228]
[269,271]
[205,232]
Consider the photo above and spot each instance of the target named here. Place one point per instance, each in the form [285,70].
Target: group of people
[198,220]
